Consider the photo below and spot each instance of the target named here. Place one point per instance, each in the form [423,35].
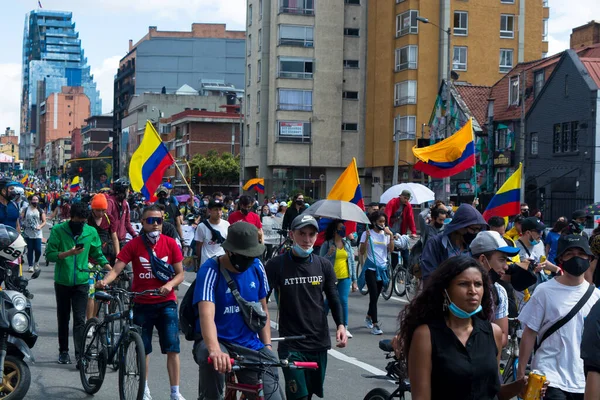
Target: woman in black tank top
[451,348]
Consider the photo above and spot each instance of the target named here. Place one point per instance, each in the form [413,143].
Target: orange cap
[99,202]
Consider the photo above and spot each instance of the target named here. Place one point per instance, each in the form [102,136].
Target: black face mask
[244,211]
[299,202]
[576,266]
[494,276]
[438,226]
[525,213]
[76,227]
[241,263]
[468,237]
[10,195]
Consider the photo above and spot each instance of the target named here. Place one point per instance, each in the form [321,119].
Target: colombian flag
[257,184]
[148,163]
[448,157]
[74,184]
[505,202]
[25,179]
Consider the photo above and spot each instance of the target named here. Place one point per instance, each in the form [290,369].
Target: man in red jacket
[400,214]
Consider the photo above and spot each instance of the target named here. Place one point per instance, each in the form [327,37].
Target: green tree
[217,169]
[84,167]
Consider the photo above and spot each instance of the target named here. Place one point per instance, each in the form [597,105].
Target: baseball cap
[283,204]
[168,185]
[161,189]
[571,241]
[304,220]
[532,224]
[215,204]
[579,214]
[486,241]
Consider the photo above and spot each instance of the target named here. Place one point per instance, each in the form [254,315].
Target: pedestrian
[553,322]
[515,231]
[375,243]
[300,279]
[401,218]
[70,245]
[577,224]
[172,214]
[34,219]
[273,205]
[435,226]
[9,211]
[296,208]
[246,214]
[211,233]
[530,245]
[338,250]
[281,210]
[154,311]
[552,237]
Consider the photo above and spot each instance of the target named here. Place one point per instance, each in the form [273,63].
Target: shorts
[164,317]
[301,383]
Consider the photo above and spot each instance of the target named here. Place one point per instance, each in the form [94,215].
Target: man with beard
[118,210]
[154,311]
[9,211]
[172,213]
[246,214]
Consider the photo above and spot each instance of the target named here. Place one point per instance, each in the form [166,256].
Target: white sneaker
[348,333]
[30,269]
[369,322]
[36,266]
[376,330]
[177,396]
[147,394]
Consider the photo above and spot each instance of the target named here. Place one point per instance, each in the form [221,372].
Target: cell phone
[79,246]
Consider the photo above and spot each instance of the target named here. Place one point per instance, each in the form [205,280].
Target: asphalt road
[345,372]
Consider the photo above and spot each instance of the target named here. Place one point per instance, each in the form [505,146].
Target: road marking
[399,299]
[186,283]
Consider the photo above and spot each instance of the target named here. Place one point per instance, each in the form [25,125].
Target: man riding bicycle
[221,324]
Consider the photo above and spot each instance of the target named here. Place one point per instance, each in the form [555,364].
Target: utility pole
[446,181]
[522,83]
[396,138]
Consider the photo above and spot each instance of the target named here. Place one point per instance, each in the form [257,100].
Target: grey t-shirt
[33,219]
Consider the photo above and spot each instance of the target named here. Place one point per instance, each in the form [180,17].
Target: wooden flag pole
[183,176]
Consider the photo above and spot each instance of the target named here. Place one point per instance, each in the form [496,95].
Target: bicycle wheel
[114,328]
[387,291]
[378,394]
[132,371]
[93,355]
[412,285]
[399,281]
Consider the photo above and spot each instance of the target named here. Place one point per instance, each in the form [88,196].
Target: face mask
[438,226]
[494,276]
[534,242]
[299,202]
[152,236]
[11,195]
[34,203]
[525,213]
[58,203]
[468,237]
[576,266]
[380,227]
[342,232]
[241,263]
[76,227]
[300,252]
[581,226]
[205,202]
[447,221]
[244,211]
[460,313]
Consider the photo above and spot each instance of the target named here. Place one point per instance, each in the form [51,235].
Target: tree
[217,169]
[84,167]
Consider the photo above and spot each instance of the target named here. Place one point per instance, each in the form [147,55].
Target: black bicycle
[285,244]
[395,370]
[101,347]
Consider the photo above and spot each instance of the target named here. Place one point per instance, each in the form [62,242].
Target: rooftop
[593,67]
[476,98]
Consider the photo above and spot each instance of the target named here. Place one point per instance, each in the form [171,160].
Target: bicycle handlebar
[281,339]
[154,292]
[281,363]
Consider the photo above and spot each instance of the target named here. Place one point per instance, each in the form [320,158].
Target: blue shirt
[9,214]
[552,240]
[212,286]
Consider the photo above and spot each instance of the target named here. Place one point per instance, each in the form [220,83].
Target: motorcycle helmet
[121,185]
[12,243]
[19,191]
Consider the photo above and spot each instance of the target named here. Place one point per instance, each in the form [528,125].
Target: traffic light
[196,178]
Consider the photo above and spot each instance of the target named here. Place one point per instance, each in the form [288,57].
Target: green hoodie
[71,270]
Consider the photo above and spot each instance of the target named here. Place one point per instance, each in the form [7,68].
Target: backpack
[188,314]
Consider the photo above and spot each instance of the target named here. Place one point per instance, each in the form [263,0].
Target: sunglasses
[153,220]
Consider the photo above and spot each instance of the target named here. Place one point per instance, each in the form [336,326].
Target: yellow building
[407,59]
[9,145]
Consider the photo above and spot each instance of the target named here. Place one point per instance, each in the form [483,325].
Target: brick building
[96,135]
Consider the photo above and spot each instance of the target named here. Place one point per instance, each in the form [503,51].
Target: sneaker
[30,269]
[147,394]
[63,358]
[376,330]
[90,333]
[177,396]
[36,266]
[369,322]
[348,333]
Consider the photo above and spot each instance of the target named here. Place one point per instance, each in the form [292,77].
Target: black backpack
[188,315]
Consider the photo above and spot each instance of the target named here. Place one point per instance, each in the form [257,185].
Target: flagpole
[183,176]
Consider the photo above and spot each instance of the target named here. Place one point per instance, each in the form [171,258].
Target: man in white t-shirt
[273,205]
[558,356]
[211,233]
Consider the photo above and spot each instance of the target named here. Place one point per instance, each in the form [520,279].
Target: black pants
[375,288]
[70,298]
[557,394]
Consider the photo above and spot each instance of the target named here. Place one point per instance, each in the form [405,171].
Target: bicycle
[395,370]
[101,348]
[286,244]
[404,281]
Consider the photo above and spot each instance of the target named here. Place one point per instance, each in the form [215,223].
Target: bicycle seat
[386,345]
[103,296]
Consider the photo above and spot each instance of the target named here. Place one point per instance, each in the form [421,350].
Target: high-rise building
[408,59]
[304,103]
[52,58]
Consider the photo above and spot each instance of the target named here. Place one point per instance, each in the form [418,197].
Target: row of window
[295,99]
[294,131]
[299,7]
[459,59]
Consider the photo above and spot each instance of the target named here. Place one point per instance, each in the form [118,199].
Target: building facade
[304,103]
[59,153]
[52,58]
[96,134]
[408,58]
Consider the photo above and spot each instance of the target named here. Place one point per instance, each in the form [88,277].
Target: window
[295,68]
[405,93]
[348,126]
[259,10]
[507,29]
[350,95]
[247,135]
[351,31]
[249,44]
[501,139]
[303,7]
[405,127]
[461,19]
[248,105]
[545,30]
[407,23]
[566,137]
[258,102]
[459,61]
[406,58]
[355,2]
[259,39]
[544,3]
[295,100]
[296,35]
[507,1]
[556,139]
[250,15]
[534,143]
[249,74]
[539,79]
[506,60]
[513,91]
[293,131]
[574,136]
[500,178]
[258,70]
[258,133]
[350,63]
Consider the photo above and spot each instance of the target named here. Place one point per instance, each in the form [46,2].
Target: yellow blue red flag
[506,201]
[257,184]
[75,184]
[148,163]
[25,179]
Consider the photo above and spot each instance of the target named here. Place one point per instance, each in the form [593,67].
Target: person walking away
[552,237]
[299,280]
[154,311]
[296,208]
[211,233]
[246,214]
[34,219]
[375,244]
[70,245]
[553,322]
[9,211]
[338,250]
[118,210]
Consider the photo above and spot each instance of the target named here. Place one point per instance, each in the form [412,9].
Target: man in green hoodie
[70,245]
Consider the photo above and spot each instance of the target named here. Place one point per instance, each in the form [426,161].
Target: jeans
[33,246]
[164,316]
[375,288]
[70,298]
[211,385]
[343,287]
[557,394]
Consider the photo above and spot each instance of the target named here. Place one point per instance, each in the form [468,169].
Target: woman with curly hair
[451,349]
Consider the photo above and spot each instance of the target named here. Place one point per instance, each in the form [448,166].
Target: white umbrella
[338,209]
[419,193]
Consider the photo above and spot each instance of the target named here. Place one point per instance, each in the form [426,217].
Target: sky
[105,27]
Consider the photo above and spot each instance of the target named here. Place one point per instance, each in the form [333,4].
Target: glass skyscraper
[52,58]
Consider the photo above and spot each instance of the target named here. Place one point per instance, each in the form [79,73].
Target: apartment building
[305,85]
[408,59]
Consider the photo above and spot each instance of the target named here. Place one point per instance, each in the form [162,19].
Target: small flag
[257,184]
[505,202]
[25,179]
[75,184]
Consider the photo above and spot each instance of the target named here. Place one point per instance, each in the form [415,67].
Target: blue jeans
[343,287]
[164,317]
[33,246]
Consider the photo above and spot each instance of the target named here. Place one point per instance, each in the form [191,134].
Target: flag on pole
[257,184]
[449,156]
[74,184]
[25,179]
[148,163]
[506,201]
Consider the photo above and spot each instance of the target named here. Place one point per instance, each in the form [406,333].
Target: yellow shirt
[341,264]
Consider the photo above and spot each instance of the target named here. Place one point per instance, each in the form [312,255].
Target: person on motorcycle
[118,210]
[9,211]
[70,246]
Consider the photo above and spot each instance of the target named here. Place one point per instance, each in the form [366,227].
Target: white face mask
[153,236]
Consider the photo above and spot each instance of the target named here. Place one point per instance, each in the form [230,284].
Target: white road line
[399,299]
[186,283]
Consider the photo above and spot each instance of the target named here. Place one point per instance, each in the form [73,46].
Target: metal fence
[562,205]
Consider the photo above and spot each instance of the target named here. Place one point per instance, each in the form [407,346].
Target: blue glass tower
[52,58]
